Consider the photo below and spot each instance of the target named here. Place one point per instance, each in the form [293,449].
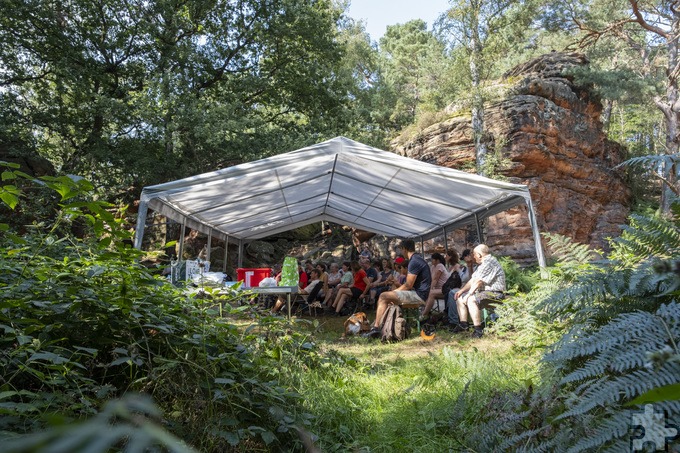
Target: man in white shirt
[486,285]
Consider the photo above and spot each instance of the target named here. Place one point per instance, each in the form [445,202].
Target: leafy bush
[81,322]
[518,280]
[621,318]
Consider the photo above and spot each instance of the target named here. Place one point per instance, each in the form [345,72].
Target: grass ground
[414,395]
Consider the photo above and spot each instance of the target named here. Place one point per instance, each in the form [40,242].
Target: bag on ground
[394,326]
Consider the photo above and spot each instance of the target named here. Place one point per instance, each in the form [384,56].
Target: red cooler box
[252,277]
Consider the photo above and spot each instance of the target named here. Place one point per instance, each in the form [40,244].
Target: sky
[378,14]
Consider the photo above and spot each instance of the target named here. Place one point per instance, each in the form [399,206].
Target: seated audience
[281,301]
[334,275]
[377,280]
[452,261]
[414,290]
[402,266]
[323,276]
[439,277]
[469,267]
[309,265]
[358,289]
[371,272]
[345,282]
[486,285]
[388,277]
[276,272]
[303,278]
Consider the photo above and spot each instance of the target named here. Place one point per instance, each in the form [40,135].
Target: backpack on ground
[394,326]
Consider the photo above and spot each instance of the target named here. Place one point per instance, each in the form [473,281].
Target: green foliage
[621,318]
[414,62]
[139,92]
[82,322]
[517,280]
[127,421]
[569,253]
[371,405]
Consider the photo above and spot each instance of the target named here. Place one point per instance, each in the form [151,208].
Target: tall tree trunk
[671,110]
[167,118]
[670,104]
[477,98]
[607,114]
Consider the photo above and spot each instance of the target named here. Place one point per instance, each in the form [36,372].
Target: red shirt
[303,279]
[359,280]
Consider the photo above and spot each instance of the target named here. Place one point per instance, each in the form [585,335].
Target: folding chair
[311,302]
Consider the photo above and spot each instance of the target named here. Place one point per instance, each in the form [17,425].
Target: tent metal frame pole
[422,246]
[446,242]
[226,249]
[141,224]
[240,253]
[479,229]
[180,253]
[208,247]
[537,237]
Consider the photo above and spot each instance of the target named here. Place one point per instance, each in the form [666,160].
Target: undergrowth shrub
[81,323]
[618,320]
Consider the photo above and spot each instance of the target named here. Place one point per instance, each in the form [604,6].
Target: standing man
[414,290]
[486,285]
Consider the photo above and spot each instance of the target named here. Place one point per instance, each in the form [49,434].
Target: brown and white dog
[356,323]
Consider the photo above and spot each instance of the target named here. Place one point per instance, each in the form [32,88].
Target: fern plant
[622,320]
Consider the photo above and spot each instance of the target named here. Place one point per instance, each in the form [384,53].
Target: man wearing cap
[414,290]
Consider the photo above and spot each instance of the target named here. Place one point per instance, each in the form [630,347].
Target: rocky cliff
[545,132]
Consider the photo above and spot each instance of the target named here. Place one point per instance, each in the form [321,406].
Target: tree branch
[644,24]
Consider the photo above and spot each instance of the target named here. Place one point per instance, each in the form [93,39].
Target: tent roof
[339,180]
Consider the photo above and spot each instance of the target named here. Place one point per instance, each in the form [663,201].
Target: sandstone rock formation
[548,132]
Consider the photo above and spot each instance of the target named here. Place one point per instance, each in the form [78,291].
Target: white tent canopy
[340,181]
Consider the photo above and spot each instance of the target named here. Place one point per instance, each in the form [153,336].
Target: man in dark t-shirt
[414,290]
[371,273]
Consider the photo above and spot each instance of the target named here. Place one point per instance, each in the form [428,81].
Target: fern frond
[613,427]
[565,250]
[647,236]
[651,162]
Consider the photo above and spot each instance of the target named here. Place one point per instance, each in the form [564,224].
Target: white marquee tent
[340,181]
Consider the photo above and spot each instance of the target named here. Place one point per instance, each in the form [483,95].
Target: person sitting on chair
[401,266]
[486,285]
[414,290]
[469,267]
[323,276]
[307,290]
[439,277]
[334,275]
[388,277]
[345,282]
[357,291]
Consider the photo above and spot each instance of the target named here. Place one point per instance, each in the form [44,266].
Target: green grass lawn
[415,395]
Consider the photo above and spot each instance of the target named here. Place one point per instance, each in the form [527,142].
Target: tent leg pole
[181,240]
[141,224]
[422,246]
[208,246]
[240,253]
[537,237]
[226,249]
[479,230]
[446,242]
